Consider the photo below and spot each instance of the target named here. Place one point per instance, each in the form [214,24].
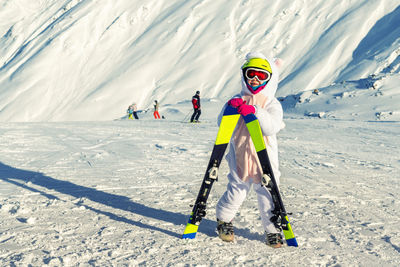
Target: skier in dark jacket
[196,107]
[155,113]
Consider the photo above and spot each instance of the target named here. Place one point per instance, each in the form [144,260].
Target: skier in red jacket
[196,107]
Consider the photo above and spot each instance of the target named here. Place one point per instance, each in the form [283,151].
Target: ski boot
[274,240]
[225,231]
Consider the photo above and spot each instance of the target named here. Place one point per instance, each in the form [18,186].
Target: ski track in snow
[118,193]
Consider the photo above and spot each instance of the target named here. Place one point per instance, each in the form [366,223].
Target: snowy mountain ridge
[89,59]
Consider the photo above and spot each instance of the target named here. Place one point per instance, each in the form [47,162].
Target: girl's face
[253,82]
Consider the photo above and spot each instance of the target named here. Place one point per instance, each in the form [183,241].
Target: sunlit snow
[81,185]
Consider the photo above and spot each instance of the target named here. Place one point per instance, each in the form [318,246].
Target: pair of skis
[228,124]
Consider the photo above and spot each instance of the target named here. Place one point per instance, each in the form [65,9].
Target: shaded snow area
[119,193]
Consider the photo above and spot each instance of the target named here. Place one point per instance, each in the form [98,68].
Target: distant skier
[156,106]
[132,111]
[259,84]
[196,107]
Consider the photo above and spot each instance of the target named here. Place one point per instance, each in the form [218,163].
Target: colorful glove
[246,109]
[235,102]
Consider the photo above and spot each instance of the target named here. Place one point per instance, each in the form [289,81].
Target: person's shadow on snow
[24,179]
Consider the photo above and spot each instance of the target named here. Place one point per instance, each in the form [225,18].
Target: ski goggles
[262,75]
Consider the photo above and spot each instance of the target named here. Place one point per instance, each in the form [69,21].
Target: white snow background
[82,186]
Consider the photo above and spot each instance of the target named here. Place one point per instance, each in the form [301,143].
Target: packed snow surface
[80,185]
[119,193]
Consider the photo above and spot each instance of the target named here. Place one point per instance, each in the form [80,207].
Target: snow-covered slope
[119,194]
[374,98]
[89,59]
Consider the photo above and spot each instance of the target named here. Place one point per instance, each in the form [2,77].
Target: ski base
[255,131]
[227,126]
[190,231]
[289,235]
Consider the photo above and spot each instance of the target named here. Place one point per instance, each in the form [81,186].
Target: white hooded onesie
[245,169]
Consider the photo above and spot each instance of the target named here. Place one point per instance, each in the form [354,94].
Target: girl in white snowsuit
[259,84]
